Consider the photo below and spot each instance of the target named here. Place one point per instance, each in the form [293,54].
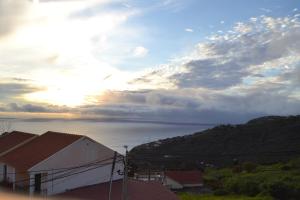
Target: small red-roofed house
[8,142]
[53,163]
[137,190]
[177,180]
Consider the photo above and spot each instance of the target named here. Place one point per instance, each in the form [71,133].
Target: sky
[193,61]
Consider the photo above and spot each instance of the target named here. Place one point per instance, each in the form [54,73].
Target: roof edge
[18,145]
[80,138]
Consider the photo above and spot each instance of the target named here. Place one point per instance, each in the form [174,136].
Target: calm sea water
[112,134]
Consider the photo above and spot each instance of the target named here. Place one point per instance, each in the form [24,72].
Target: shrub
[249,166]
[220,192]
[284,188]
[213,183]
[286,167]
[246,185]
[237,169]
[295,163]
[279,190]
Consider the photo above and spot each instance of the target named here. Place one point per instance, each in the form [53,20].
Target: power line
[65,169]
[71,174]
[111,175]
[125,181]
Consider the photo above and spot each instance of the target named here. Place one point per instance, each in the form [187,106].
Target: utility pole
[149,172]
[112,174]
[125,178]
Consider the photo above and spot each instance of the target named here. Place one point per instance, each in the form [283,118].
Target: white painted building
[56,162]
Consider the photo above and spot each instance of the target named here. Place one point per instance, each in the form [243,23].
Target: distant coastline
[118,120]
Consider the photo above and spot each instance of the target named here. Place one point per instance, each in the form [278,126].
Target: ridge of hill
[262,140]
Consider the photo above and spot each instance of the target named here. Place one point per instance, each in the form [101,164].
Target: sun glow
[69,96]
[77,86]
[69,88]
[67,49]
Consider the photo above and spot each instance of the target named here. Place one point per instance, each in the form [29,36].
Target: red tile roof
[137,190]
[185,177]
[10,140]
[38,149]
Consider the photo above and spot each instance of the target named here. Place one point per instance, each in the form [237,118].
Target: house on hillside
[150,176]
[8,142]
[137,190]
[177,180]
[56,162]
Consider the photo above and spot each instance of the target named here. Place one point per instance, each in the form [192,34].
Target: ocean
[112,134]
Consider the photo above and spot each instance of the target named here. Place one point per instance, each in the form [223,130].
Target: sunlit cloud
[57,48]
[240,71]
[189,30]
[140,51]
[71,57]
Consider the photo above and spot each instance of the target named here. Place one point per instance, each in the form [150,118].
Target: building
[56,162]
[177,180]
[150,176]
[8,142]
[137,190]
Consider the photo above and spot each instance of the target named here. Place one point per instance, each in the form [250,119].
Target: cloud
[27,108]
[187,106]
[252,70]
[173,5]
[32,108]
[189,30]
[13,90]
[226,60]
[210,73]
[80,46]
[140,52]
[265,10]
[12,14]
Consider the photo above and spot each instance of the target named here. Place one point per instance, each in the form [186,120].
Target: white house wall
[54,184]
[79,153]
[11,177]
[1,172]
[171,184]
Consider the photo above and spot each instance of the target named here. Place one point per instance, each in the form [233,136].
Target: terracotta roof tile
[185,177]
[137,190]
[38,149]
[10,140]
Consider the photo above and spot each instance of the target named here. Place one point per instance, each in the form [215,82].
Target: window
[5,172]
[37,183]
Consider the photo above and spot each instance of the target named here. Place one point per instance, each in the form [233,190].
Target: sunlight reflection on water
[112,134]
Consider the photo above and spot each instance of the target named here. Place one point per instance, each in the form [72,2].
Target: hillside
[252,182]
[262,140]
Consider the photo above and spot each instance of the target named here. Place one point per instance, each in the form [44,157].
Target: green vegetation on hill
[262,140]
[213,197]
[278,181]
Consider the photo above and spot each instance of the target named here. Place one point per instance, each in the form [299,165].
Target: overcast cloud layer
[251,70]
